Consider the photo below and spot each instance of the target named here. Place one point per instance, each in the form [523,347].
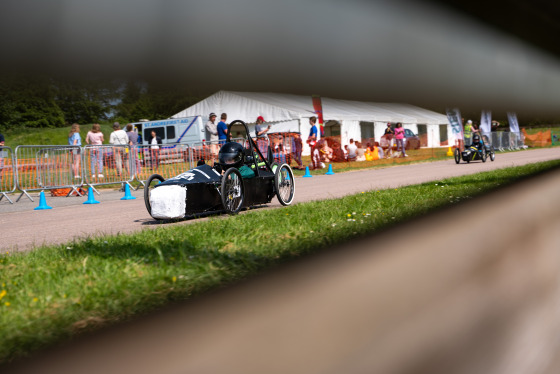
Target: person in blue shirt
[312,138]
[75,139]
[222,129]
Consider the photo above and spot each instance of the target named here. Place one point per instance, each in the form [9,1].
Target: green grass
[54,293]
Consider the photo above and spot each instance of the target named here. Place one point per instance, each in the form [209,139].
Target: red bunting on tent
[318,108]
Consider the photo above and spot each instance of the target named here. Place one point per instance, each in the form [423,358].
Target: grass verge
[54,293]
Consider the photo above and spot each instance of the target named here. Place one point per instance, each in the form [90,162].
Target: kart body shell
[207,190]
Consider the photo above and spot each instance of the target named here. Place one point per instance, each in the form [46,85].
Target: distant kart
[206,189]
[472,154]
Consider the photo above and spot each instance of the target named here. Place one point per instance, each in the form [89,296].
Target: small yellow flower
[7,303]
[35,299]
[174,279]
[349,215]
[64,296]
[2,294]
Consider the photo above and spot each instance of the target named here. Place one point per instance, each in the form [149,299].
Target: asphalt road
[23,228]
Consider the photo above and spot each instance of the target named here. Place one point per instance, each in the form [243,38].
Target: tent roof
[274,107]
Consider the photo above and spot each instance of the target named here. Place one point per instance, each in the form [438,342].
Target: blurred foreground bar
[471,289]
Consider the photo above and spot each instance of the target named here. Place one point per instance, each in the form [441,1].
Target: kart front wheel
[457,155]
[233,191]
[148,188]
[484,155]
[284,184]
[492,154]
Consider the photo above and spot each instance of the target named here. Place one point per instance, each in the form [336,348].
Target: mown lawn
[54,293]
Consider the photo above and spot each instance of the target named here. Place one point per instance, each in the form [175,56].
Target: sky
[388,51]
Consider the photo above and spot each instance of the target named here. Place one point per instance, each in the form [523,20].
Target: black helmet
[231,154]
[476,138]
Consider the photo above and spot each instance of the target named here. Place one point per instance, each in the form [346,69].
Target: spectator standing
[312,138]
[260,130]
[389,135]
[212,130]
[297,148]
[95,137]
[352,149]
[155,142]
[399,137]
[467,133]
[119,138]
[222,129]
[133,140]
[75,139]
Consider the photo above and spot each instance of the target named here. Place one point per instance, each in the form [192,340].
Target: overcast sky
[366,50]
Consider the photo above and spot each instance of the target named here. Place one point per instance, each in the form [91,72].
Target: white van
[186,130]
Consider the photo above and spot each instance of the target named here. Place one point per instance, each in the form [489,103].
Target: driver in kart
[477,144]
[231,155]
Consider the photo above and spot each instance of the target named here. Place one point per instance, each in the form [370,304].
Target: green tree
[152,101]
[86,101]
[28,101]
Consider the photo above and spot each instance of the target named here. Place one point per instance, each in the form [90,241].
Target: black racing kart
[217,188]
[472,154]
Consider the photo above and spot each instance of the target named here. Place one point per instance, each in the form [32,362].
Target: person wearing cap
[212,130]
[119,138]
[467,133]
[260,130]
[212,127]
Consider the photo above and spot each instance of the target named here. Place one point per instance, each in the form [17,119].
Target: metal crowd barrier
[7,173]
[107,164]
[167,160]
[40,167]
[507,141]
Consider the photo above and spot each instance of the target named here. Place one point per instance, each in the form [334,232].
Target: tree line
[33,101]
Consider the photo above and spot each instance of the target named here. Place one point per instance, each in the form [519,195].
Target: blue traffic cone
[42,202]
[91,198]
[330,172]
[307,174]
[127,195]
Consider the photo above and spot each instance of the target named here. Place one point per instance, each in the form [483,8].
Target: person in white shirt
[352,149]
[119,138]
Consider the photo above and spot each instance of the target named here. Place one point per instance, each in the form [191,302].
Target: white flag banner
[454,118]
[486,121]
[513,124]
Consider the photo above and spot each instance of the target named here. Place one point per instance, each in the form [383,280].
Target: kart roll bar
[252,146]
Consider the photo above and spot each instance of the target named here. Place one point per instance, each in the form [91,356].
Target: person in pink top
[399,137]
[95,137]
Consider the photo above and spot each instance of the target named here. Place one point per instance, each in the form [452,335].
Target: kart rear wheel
[457,155]
[233,191]
[284,184]
[148,188]
[492,153]
[483,155]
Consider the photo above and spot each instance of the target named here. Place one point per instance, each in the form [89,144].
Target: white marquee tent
[349,119]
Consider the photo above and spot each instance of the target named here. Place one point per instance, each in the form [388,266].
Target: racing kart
[472,154]
[208,188]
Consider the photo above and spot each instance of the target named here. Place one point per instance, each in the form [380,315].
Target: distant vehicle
[411,140]
[186,130]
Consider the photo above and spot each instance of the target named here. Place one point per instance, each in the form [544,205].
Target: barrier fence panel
[555,136]
[43,167]
[107,164]
[166,160]
[7,173]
